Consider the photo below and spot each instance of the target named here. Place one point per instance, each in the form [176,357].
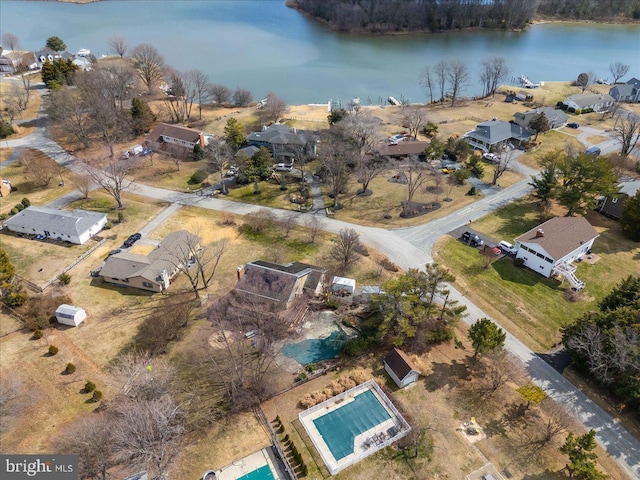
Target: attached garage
[70,315]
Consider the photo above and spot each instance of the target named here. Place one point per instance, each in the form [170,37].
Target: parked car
[506,247]
[472,239]
[573,125]
[231,172]
[490,157]
[449,169]
[132,239]
[115,252]
[282,167]
[593,151]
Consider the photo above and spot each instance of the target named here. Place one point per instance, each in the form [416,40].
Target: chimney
[202,144]
[240,271]
[539,233]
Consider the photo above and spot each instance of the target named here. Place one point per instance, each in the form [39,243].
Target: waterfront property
[286,144]
[496,134]
[61,225]
[582,101]
[557,118]
[353,425]
[627,92]
[176,138]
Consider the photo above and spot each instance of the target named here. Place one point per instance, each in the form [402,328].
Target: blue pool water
[340,427]
[262,473]
[314,350]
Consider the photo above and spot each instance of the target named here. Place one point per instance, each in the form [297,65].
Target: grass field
[530,306]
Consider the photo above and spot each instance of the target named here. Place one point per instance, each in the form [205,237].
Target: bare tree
[503,159]
[118,45]
[220,93]
[440,70]
[618,70]
[416,176]
[585,79]
[83,183]
[287,223]
[112,175]
[70,112]
[16,100]
[494,71]
[359,128]
[458,77]
[427,80]
[143,376]
[219,155]
[336,152]
[92,439]
[414,119]
[273,107]
[346,247]
[201,89]
[148,432]
[148,63]
[537,440]
[313,226]
[15,396]
[369,167]
[39,169]
[627,132]
[242,97]
[10,41]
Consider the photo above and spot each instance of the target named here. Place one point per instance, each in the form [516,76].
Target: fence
[276,443]
[334,466]
[48,283]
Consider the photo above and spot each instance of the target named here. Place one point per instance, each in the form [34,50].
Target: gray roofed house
[14,60]
[164,136]
[155,270]
[626,92]
[46,54]
[493,133]
[556,117]
[285,143]
[613,206]
[281,284]
[248,151]
[597,101]
[76,226]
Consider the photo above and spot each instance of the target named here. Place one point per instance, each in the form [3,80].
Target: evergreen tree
[56,44]
[544,185]
[630,220]
[582,459]
[539,123]
[234,134]
[486,337]
[141,115]
[475,166]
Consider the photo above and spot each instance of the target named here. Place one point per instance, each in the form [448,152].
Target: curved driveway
[411,248]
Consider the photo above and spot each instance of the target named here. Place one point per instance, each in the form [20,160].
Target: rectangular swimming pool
[262,473]
[340,427]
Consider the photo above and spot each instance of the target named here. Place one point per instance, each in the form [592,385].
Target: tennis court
[353,425]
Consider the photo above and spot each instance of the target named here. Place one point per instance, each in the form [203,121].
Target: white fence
[334,466]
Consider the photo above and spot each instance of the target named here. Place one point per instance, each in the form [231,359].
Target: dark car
[573,125]
[472,239]
[132,239]
[115,252]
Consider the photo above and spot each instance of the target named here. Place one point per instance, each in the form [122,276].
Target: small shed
[400,368]
[70,315]
[343,286]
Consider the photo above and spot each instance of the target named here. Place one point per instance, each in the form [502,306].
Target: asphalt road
[411,247]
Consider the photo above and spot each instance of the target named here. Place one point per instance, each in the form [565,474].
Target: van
[594,151]
[507,247]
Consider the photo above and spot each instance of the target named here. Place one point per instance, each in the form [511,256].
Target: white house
[550,247]
[62,225]
[70,315]
[400,368]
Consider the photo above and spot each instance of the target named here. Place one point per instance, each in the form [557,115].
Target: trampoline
[340,427]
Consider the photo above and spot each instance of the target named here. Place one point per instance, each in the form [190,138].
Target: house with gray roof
[76,226]
[613,205]
[285,143]
[597,101]
[46,54]
[279,284]
[551,247]
[626,92]
[165,138]
[154,271]
[556,117]
[494,134]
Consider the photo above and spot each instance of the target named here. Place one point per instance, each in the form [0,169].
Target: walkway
[411,247]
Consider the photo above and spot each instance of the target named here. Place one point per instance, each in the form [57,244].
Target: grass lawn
[387,196]
[550,141]
[165,174]
[531,306]
[270,194]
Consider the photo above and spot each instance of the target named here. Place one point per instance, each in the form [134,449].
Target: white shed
[343,286]
[70,315]
[400,368]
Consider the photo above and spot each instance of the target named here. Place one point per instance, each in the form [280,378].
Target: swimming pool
[262,473]
[340,427]
[316,349]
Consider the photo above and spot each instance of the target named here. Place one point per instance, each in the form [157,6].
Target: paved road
[411,248]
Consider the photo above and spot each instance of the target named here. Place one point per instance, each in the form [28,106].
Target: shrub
[71,368]
[559,104]
[53,350]
[19,207]
[37,334]
[359,376]
[198,176]
[472,191]
[64,278]
[578,112]
[301,376]
[362,250]
[97,396]
[15,298]
[388,265]
[108,225]
[519,262]
[13,211]
[89,387]
[120,217]
[307,401]
[5,129]
[356,347]
[4,216]
[571,109]
[310,367]
[332,304]
[26,202]
[286,438]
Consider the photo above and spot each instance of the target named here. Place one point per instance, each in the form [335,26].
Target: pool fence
[333,465]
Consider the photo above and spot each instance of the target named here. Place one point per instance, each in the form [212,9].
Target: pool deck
[251,463]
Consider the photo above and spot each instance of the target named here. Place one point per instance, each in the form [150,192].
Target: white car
[507,247]
[282,167]
[490,157]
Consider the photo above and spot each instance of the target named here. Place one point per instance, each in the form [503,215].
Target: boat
[83,52]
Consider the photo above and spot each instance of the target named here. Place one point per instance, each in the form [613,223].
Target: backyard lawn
[531,306]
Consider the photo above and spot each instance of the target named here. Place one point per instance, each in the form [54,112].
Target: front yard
[530,306]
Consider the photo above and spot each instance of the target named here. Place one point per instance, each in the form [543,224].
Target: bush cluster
[64,278]
[97,396]
[334,388]
[388,265]
[18,207]
[198,176]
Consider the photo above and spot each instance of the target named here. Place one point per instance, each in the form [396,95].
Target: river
[264,46]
